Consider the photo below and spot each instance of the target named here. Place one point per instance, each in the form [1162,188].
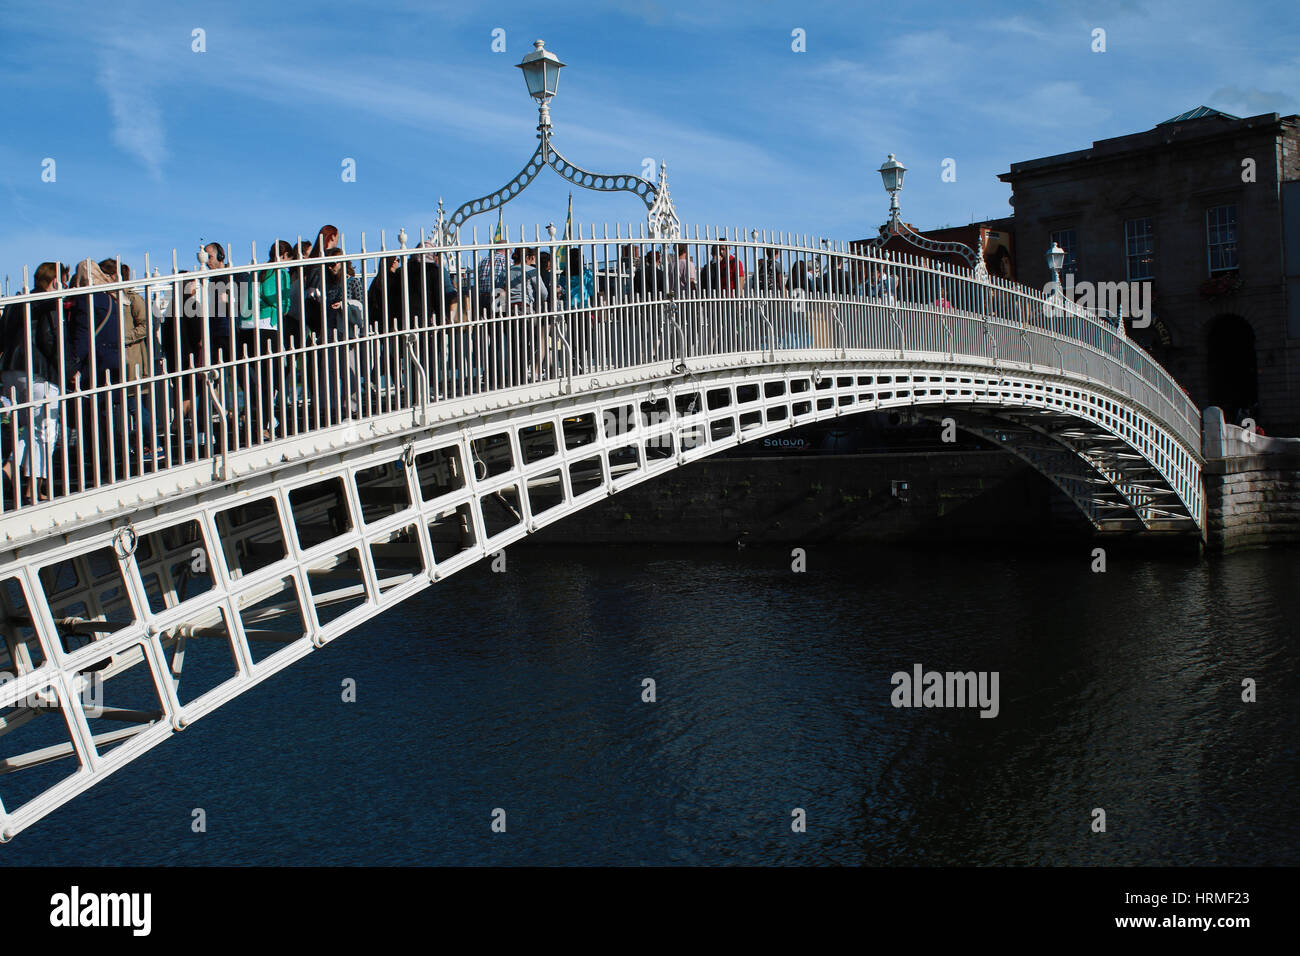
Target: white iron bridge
[175,533]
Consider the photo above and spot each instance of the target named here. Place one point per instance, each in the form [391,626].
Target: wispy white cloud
[1057,104]
[1252,101]
[1020,25]
[137,118]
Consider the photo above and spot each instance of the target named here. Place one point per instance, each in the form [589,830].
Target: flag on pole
[562,257]
[500,234]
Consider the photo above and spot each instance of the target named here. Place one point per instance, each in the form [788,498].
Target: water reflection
[523,691]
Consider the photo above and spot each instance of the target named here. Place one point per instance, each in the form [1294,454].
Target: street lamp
[542,74]
[1055,261]
[541,69]
[891,172]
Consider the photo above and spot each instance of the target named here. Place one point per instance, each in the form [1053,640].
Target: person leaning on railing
[769,275]
[95,341]
[463,359]
[883,286]
[326,239]
[259,335]
[646,319]
[724,276]
[858,281]
[687,278]
[839,278]
[770,283]
[431,295]
[221,307]
[579,285]
[384,305]
[137,356]
[329,315]
[528,300]
[802,279]
[97,361]
[384,297]
[432,291]
[36,324]
[631,273]
[135,332]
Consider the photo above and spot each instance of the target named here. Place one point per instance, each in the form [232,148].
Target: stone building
[1206,208]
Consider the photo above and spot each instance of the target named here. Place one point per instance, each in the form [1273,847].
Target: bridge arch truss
[157,604]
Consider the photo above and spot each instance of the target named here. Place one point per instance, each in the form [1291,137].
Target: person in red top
[724,275]
[942,301]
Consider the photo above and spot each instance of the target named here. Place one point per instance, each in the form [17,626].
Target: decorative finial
[664,223]
[401,238]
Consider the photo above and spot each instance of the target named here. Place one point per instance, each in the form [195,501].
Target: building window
[1068,240]
[1140,248]
[1221,237]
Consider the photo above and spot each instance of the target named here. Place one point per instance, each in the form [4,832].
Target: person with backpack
[528,299]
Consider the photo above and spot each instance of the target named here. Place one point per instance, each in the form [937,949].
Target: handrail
[211,377]
[303,365]
[423,390]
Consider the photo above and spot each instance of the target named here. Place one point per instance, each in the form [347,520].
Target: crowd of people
[132,377]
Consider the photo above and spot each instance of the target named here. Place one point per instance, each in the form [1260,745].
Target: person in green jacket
[262,335]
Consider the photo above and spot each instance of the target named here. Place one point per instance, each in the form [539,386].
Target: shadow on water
[523,691]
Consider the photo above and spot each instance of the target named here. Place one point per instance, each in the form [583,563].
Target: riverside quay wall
[1252,486]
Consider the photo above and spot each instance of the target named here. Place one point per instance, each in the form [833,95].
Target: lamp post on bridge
[892,173]
[541,69]
[1055,261]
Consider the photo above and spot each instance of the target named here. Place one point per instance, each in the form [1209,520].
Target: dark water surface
[523,690]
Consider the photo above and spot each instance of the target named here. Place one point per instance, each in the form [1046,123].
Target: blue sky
[157,146]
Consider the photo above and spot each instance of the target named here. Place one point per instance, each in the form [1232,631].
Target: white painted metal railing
[402,336]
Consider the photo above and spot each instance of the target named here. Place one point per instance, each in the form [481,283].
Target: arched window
[1232,378]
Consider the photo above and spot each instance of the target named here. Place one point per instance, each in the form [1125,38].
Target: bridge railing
[118,381]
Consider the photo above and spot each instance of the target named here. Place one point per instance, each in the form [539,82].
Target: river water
[523,691]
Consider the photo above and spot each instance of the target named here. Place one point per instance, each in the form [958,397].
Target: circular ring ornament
[125,541]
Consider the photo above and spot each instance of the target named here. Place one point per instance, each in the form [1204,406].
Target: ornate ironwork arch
[896,227]
[661,215]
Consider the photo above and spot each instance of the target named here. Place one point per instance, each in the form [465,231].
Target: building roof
[1198,112]
[1201,124]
